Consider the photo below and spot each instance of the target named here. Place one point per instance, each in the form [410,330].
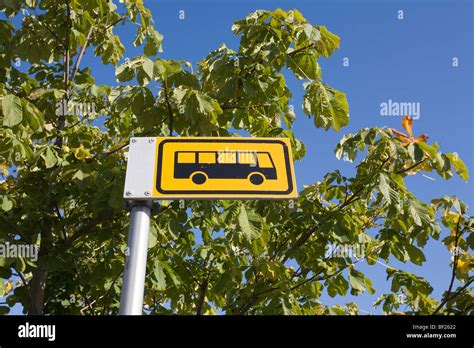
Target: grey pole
[131,301]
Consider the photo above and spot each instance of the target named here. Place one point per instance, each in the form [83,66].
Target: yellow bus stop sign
[212,168]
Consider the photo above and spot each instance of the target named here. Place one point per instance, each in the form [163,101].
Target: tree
[64,163]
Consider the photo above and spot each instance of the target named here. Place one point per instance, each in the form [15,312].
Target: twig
[301,49]
[203,289]
[245,107]
[170,111]
[111,152]
[452,296]
[116,22]
[453,271]
[67,60]
[411,167]
[16,228]
[108,292]
[81,53]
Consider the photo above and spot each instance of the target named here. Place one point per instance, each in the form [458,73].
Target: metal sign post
[131,301]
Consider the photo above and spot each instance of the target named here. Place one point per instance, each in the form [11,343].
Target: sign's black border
[217,140]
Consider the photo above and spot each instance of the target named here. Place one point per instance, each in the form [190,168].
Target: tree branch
[453,271]
[116,22]
[117,149]
[203,290]
[125,144]
[456,256]
[108,292]
[67,59]
[87,228]
[244,107]
[301,49]
[170,111]
[16,228]
[452,296]
[411,167]
[81,53]
[253,299]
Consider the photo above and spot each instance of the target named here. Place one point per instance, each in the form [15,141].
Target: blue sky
[405,60]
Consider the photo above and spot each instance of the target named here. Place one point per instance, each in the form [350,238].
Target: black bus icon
[203,165]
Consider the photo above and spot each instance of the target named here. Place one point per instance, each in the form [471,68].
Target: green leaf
[357,282]
[31,3]
[416,152]
[368,285]
[148,68]
[81,153]
[7,204]
[458,165]
[416,255]
[328,106]
[198,108]
[415,215]
[153,42]
[384,187]
[174,278]
[164,69]
[33,115]
[224,280]
[50,158]
[304,66]
[259,244]
[126,71]
[138,103]
[12,110]
[159,275]
[328,42]
[150,47]
[78,175]
[337,285]
[250,223]
[153,238]
[206,104]
[470,240]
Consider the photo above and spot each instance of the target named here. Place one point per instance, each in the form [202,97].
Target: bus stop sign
[210,168]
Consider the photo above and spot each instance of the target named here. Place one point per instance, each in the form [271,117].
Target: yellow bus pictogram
[224,168]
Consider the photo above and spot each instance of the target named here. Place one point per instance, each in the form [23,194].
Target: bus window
[186,157]
[247,158]
[226,157]
[264,160]
[207,157]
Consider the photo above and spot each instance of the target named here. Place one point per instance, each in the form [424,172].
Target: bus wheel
[198,178]
[256,179]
